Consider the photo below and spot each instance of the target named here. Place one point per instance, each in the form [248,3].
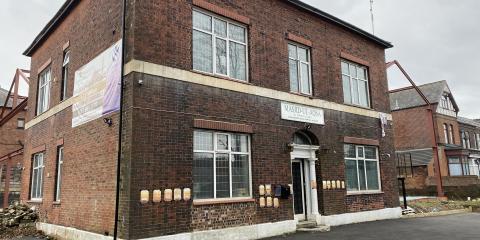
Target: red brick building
[227,108]
[413,134]
[12,139]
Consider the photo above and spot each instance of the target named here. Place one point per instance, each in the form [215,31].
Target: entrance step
[311,226]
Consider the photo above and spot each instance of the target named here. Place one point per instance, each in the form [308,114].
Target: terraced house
[234,119]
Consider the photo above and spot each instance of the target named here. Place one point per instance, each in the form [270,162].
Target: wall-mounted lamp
[140,82]
[108,121]
[157,196]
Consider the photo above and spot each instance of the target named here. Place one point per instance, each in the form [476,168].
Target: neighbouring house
[12,123]
[467,162]
[234,120]
[413,140]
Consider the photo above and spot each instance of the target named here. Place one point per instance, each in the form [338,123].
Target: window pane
[305,78]
[237,33]
[361,73]
[238,64]
[360,152]
[455,169]
[372,175]
[240,176]
[353,71]
[363,93]
[239,143]
[202,52]
[302,54]
[361,174]
[223,176]
[355,92]
[293,75]
[347,89]
[345,68]
[292,51]
[220,28]
[202,21]
[34,183]
[349,151]
[351,175]
[370,152]
[202,175]
[221,52]
[222,142]
[203,141]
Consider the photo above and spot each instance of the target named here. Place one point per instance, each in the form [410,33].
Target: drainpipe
[436,157]
[120,123]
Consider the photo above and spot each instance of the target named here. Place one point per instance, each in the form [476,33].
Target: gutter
[120,124]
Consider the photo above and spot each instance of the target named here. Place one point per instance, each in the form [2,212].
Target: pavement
[451,227]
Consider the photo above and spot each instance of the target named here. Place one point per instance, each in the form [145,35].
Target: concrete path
[452,227]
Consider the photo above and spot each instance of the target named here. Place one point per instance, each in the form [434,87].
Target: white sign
[301,113]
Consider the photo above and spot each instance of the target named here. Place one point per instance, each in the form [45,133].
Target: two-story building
[233,119]
[413,141]
[470,138]
[12,138]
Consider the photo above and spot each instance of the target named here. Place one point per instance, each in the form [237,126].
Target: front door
[298,181]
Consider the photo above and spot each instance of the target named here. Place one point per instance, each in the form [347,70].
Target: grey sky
[434,39]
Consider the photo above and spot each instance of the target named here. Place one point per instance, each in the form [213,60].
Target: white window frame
[58,179]
[356,159]
[299,70]
[367,81]
[43,94]
[227,39]
[37,172]
[230,153]
[467,140]
[65,73]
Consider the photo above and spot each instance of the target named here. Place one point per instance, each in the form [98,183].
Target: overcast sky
[434,39]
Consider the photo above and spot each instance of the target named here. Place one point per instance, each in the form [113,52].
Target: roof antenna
[371,13]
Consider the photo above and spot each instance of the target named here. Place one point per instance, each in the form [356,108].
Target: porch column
[313,187]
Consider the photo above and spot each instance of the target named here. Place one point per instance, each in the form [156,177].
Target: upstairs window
[446,133]
[219,46]
[355,84]
[446,103]
[65,70]
[43,94]
[300,70]
[452,137]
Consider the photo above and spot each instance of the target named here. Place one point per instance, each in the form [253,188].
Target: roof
[408,97]
[420,157]
[70,4]
[3,97]
[469,121]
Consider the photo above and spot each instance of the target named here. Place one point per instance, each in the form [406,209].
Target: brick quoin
[161,114]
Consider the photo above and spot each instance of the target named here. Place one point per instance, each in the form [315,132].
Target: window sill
[56,203]
[302,94]
[221,77]
[35,201]
[364,193]
[358,106]
[221,201]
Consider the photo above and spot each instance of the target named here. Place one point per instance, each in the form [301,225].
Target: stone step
[306,224]
[319,228]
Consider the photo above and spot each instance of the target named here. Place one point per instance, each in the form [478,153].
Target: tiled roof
[469,121]
[409,97]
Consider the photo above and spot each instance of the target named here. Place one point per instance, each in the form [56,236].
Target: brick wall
[161,155]
[411,128]
[11,137]
[90,150]
[163,35]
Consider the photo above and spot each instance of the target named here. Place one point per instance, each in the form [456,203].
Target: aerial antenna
[371,13]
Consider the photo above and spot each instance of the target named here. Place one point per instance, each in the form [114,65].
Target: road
[452,227]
